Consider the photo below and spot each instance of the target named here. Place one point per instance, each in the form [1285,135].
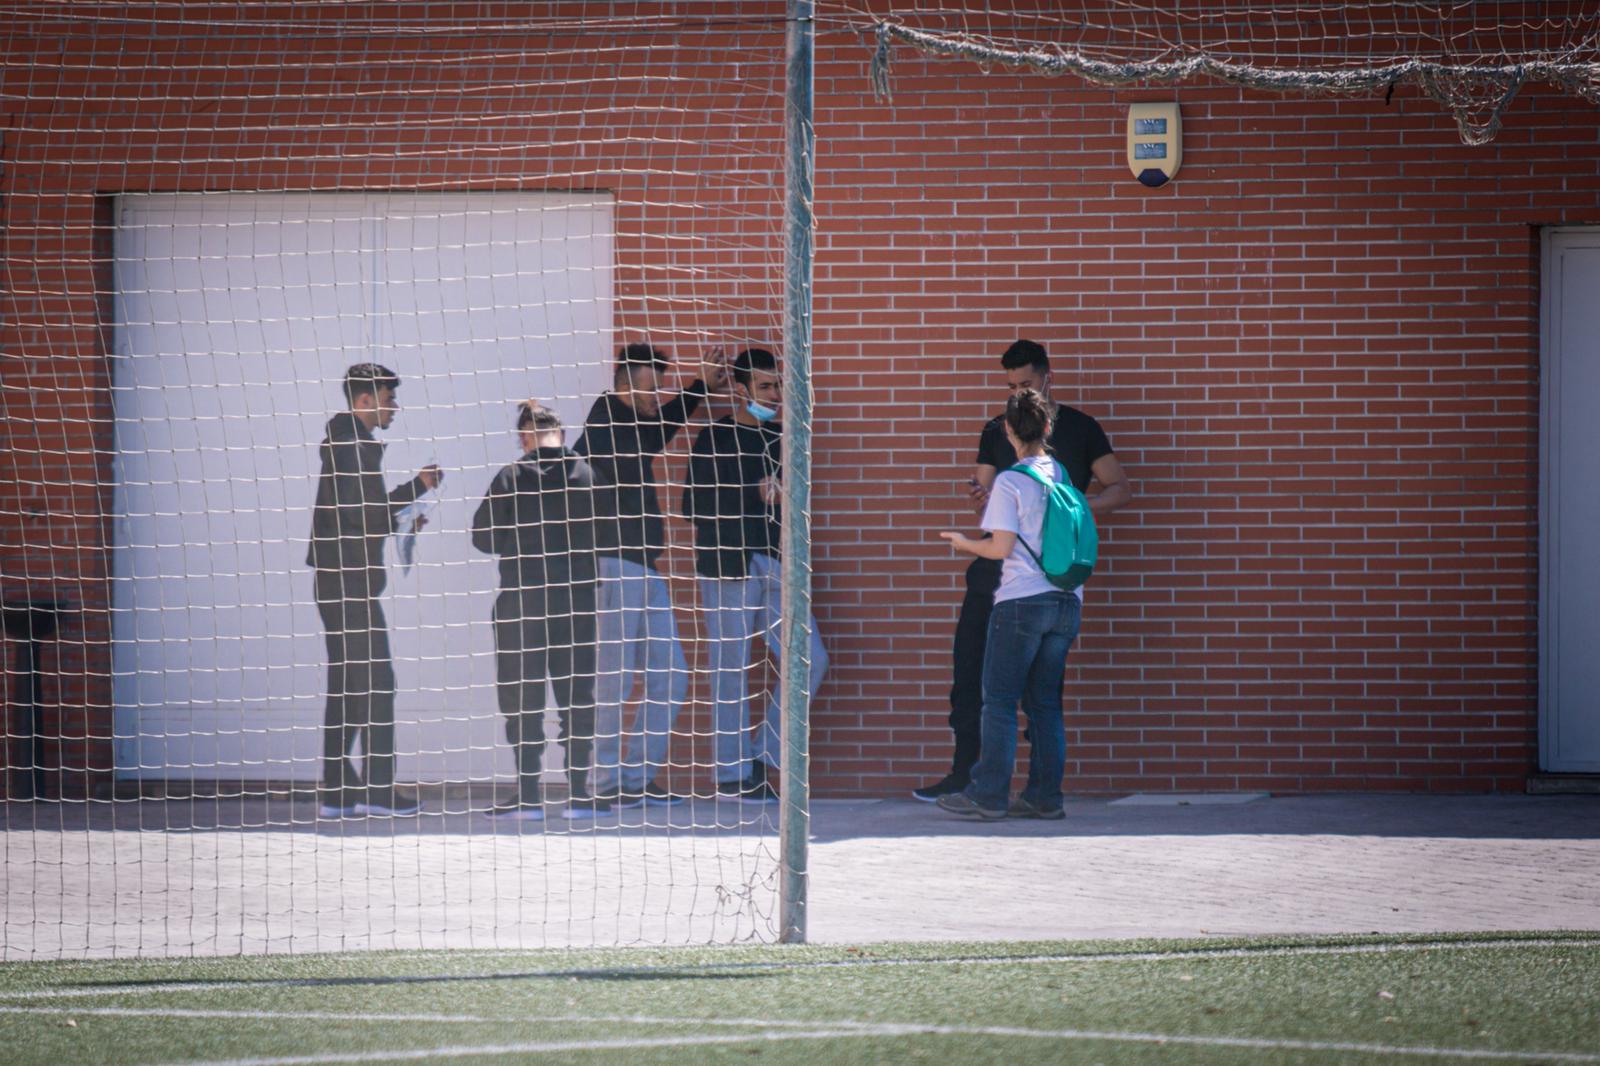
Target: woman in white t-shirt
[1032,629]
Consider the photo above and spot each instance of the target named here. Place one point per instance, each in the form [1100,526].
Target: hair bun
[1028,414]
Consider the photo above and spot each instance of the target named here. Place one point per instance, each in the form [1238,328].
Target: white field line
[1098,956]
[244,1015]
[478,1019]
[772,1031]
[1195,954]
[827,1031]
[547,1047]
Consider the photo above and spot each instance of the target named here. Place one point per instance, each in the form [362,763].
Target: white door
[1569,504]
[237,314]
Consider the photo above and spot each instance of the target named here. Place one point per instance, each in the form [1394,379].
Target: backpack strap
[1022,468]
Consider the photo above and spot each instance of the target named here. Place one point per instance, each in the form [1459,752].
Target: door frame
[1551,238]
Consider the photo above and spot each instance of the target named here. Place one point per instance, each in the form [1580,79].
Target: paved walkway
[1328,864]
[220,877]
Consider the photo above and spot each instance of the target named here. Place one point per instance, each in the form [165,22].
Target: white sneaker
[332,813]
[385,810]
[584,809]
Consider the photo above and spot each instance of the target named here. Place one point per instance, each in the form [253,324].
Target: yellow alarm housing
[1155,142]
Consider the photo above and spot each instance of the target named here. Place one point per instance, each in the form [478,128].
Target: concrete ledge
[1188,799]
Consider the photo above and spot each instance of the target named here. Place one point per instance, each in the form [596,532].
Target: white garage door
[237,315]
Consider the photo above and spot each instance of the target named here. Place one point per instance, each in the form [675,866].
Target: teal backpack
[1071,543]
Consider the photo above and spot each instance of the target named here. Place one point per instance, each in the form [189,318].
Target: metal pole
[799,139]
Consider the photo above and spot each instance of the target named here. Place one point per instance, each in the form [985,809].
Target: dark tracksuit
[967,654]
[538,517]
[352,515]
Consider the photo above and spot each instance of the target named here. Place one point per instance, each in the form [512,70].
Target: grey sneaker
[964,805]
[1022,808]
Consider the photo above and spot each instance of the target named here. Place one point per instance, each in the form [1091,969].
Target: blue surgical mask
[761,413]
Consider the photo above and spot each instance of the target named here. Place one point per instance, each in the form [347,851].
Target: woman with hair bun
[1030,632]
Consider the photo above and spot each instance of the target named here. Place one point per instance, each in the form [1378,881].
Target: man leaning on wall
[1079,444]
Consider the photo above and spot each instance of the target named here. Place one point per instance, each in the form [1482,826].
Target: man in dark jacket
[352,515]
[625,431]
[538,517]
[735,482]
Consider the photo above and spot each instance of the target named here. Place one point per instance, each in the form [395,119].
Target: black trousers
[543,638]
[360,694]
[972,641]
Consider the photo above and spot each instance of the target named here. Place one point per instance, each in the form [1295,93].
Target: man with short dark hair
[352,515]
[1079,444]
[538,517]
[735,484]
[625,431]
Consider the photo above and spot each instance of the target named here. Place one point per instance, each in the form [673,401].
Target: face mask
[761,413]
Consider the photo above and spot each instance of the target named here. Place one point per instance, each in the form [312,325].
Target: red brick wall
[1315,353]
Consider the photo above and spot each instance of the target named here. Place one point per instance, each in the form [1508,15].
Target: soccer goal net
[396,558]
[1471,59]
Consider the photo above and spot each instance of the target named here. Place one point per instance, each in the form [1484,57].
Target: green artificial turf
[1515,998]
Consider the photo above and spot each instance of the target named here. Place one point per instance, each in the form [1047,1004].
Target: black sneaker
[751,789]
[517,812]
[657,796]
[945,786]
[651,795]
[627,799]
[964,805]
[1021,808]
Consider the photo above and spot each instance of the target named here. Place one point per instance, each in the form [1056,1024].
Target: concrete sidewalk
[254,875]
[902,870]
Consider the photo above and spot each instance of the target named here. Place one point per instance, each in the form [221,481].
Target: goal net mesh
[212,212]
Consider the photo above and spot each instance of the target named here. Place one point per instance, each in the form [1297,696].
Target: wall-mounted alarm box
[1155,142]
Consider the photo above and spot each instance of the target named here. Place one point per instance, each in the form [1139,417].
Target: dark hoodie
[538,517]
[353,511]
[723,498]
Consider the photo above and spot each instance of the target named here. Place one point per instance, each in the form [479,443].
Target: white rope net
[212,212]
[1472,58]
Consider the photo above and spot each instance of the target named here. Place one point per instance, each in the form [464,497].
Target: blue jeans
[638,634]
[736,609]
[1025,662]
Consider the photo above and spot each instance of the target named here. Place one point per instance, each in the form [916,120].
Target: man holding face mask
[733,497]
[626,429]
[350,519]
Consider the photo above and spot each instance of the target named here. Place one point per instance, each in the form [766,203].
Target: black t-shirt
[621,445]
[1076,440]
